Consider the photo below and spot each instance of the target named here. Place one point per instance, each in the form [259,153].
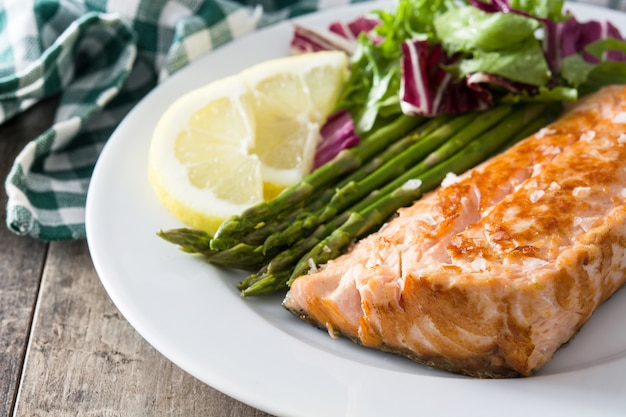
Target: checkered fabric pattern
[100,57]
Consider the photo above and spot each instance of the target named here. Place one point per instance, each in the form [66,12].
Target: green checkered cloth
[100,57]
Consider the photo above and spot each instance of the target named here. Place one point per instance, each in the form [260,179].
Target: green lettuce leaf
[545,9]
[468,29]
[590,76]
[371,95]
[502,44]
[525,64]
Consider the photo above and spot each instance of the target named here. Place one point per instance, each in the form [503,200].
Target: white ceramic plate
[257,352]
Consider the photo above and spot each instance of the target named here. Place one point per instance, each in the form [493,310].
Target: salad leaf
[468,29]
[337,134]
[427,88]
[585,55]
[431,57]
[411,19]
[572,37]
[551,10]
[524,64]
[502,50]
[589,71]
[307,39]
[376,74]
[372,89]
[352,29]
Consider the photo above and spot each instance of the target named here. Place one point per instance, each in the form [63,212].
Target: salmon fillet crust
[492,272]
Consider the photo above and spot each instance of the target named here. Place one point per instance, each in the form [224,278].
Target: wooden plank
[21,259]
[19,282]
[85,359]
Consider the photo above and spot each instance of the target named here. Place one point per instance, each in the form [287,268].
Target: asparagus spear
[189,240]
[267,228]
[455,134]
[278,271]
[265,284]
[232,230]
[241,256]
[410,187]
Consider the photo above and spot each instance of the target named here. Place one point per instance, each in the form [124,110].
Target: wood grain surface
[22,261]
[66,349]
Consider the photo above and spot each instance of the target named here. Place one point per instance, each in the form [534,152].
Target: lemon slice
[290,109]
[240,140]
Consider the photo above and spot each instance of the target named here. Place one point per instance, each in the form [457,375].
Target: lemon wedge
[241,140]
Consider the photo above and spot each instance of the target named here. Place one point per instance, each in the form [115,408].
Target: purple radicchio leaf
[339,36]
[352,29]
[500,6]
[337,134]
[427,89]
[495,6]
[572,37]
[306,39]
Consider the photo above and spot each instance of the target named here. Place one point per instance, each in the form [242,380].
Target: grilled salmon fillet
[492,272]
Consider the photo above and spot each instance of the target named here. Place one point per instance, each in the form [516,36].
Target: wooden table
[66,349]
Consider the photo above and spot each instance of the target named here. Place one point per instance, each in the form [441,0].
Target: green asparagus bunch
[233,230]
[316,220]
